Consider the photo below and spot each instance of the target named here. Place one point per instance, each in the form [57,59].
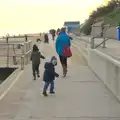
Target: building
[72,26]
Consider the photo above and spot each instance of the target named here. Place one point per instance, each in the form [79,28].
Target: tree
[99,12]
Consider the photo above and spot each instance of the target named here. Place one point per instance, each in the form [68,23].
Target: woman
[62,41]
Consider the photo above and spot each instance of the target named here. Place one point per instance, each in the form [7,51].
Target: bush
[100,12]
[86,29]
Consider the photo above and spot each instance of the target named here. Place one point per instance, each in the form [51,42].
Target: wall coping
[107,57]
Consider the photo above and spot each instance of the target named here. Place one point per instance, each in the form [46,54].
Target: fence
[15,54]
[101,34]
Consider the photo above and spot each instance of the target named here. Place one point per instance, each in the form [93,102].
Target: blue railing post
[119,32]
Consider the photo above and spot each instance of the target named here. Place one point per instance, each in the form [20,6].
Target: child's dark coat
[49,73]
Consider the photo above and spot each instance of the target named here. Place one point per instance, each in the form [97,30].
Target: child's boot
[52,92]
[45,94]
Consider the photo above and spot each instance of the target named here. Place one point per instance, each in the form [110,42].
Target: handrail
[16,36]
[17,55]
[104,29]
[28,52]
[15,43]
[22,59]
[110,58]
[23,53]
[101,43]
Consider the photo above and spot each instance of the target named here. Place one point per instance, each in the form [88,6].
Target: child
[35,57]
[49,75]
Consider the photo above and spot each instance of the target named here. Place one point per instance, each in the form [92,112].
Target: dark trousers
[63,61]
[47,85]
[53,36]
[35,68]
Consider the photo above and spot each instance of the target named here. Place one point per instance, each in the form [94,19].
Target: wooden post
[22,62]
[92,43]
[26,38]
[8,56]
[104,43]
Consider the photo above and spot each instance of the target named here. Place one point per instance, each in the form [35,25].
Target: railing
[102,34]
[20,53]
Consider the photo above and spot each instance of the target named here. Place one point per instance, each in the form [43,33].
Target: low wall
[82,48]
[107,69]
[104,66]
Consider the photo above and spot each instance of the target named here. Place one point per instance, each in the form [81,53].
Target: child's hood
[54,60]
[47,65]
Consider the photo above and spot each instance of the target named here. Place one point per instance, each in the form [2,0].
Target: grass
[113,17]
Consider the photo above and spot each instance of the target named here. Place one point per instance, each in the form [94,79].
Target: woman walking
[63,49]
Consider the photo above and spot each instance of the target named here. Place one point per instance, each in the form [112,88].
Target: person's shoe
[45,94]
[52,92]
[34,78]
[38,76]
[64,71]
[64,75]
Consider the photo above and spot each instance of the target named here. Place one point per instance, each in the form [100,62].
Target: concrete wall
[110,32]
[96,30]
[104,66]
[107,69]
[82,48]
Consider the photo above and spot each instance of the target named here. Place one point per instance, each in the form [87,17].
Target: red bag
[67,52]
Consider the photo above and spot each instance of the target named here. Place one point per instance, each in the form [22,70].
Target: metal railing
[104,28]
[20,50]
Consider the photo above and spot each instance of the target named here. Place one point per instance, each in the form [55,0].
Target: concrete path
[79,96]
[113,46]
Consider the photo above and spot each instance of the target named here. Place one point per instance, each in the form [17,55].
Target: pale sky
[27,16]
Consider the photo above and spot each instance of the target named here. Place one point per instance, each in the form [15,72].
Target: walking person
[53,34]
[58,31]
[35,57]
[63,49]
[49,76]
[46,39]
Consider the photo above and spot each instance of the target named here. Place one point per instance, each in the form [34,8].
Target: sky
[35,16]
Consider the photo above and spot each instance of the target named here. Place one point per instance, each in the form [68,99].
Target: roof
[71,23]
[77,25]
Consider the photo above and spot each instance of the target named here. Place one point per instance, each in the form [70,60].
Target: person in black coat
[35,58]
[46,39]
[49,75]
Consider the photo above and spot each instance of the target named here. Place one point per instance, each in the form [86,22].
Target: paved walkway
[79,96]
[113,46]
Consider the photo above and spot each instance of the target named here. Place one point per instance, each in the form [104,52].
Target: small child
[49,75]
[35,57]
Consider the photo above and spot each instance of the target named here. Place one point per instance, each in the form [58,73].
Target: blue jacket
[49,73]
[62,40]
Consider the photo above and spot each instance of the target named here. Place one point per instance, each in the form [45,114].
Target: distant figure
[35,57]
[53,34]
[58,31]
[63,49]
[46,39]
[38,40]
[49,75]
[26,39]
